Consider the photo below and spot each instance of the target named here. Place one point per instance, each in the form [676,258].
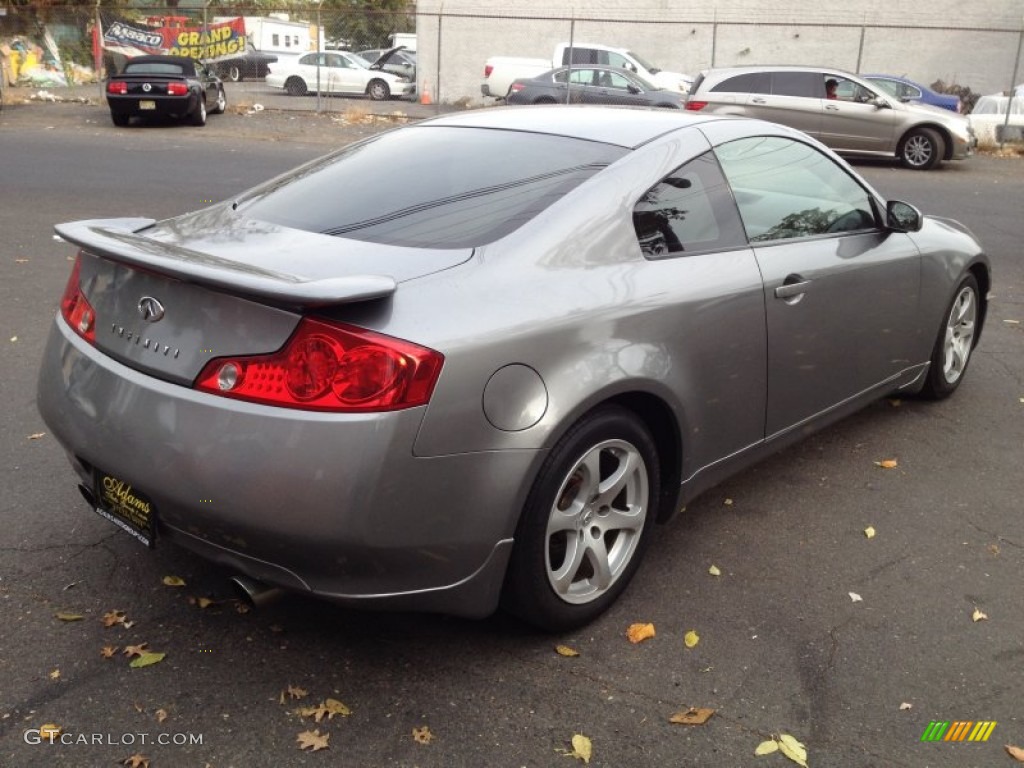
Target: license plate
[147,105]
[126,507]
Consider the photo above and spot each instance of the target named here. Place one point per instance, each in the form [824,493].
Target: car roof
[624,126]
[780,68]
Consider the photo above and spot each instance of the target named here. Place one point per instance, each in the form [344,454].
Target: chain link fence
[449,61]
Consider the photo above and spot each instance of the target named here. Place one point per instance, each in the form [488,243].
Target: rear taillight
[177,89]
[117,87]
[75,309]
[516,87]
[488,68]
[330,367]
[695,106]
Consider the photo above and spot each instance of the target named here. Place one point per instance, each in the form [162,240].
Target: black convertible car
[165,86]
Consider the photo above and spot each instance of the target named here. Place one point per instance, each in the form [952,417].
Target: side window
[796,84]
[583,77]
[786,189]
[275,39]
[689,211]
[754,82]
[619,61]
[615,80]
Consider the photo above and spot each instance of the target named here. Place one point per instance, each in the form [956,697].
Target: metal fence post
[1013,83]
[572,57]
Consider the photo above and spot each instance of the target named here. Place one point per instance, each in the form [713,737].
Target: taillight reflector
[695,106]
[117,87]
[488,68]
[516,87]
[177,89]
[330,367]
[75,309]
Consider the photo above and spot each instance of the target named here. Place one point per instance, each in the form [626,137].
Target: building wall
[974,45]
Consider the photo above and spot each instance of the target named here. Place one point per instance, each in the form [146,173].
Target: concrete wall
[974,45]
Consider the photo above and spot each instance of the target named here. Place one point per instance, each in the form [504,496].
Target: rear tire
[198,118]
[235,73]
[222,103]
[586,522]
[296,86]
[922,149]
[955,342]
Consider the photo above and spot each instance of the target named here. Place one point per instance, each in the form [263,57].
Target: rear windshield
[153,68]
[432,186]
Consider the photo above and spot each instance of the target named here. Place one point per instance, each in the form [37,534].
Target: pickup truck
[500,71]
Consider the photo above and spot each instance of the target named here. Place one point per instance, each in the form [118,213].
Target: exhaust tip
[255,593]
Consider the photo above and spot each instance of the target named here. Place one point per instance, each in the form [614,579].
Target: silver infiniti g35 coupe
[484,379]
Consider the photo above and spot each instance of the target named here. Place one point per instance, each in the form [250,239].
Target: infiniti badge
[150,309]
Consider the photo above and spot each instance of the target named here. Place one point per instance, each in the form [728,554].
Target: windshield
[432,186]
[644,63]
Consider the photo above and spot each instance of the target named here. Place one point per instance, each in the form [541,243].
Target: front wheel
[955,341]
[222,103]
[235,73]
[921,149]
[378,90]
[586,522]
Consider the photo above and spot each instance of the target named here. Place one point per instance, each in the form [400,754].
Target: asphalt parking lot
[852,644]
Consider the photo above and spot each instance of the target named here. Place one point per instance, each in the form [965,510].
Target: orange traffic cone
[425,95]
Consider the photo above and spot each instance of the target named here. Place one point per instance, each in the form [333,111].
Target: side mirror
[633,89]
[902,217]
[880,103]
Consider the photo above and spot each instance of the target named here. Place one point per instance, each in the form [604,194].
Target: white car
[988,118]
[338,72]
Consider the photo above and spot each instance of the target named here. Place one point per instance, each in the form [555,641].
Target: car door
[612,87]
[792,98]
[840,292]
[860,120]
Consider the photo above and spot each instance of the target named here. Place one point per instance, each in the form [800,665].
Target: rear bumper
[163,106]
[336,505]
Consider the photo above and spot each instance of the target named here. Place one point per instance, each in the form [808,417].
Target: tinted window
[753,82]
[689,211]
[786,189]
[432,186]
[797,84]
[155,68]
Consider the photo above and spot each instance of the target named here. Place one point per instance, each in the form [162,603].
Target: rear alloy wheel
[378,90]
[221,104]
[199,116]
[586,522]
[955,341]
[296,86]
[235,73]
[921,149]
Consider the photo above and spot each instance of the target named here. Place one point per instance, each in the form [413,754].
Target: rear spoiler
[118,240]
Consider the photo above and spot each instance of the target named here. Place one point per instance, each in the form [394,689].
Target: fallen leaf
[905,706]
[14,339]
[36,435]
[713,570]
[173,581]
[422,735]
[856,598]
[313,740]
[793,749]
[127,624]
[767,747]
[55,674]
[204,602]
[728,502]
[582,749]
[110,618]
[994,549]
[692,716]
[135,650]
[108,651]
[1012,322]
[887,464]
[1015,752]
[294,692]
[869,532]
[50,731]
[895,402]
[21,261]
[147,659]
[335,707]
[978,615]
[69,616]
[241,607]
[637,633]
[136,761]
[565,650]
[690,639]
[161,715]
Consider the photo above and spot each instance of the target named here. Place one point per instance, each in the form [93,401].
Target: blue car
[908,90]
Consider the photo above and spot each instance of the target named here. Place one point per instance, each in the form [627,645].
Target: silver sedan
[487,377]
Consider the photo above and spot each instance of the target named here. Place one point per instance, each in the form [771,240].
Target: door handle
[793,287]
[758,101]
